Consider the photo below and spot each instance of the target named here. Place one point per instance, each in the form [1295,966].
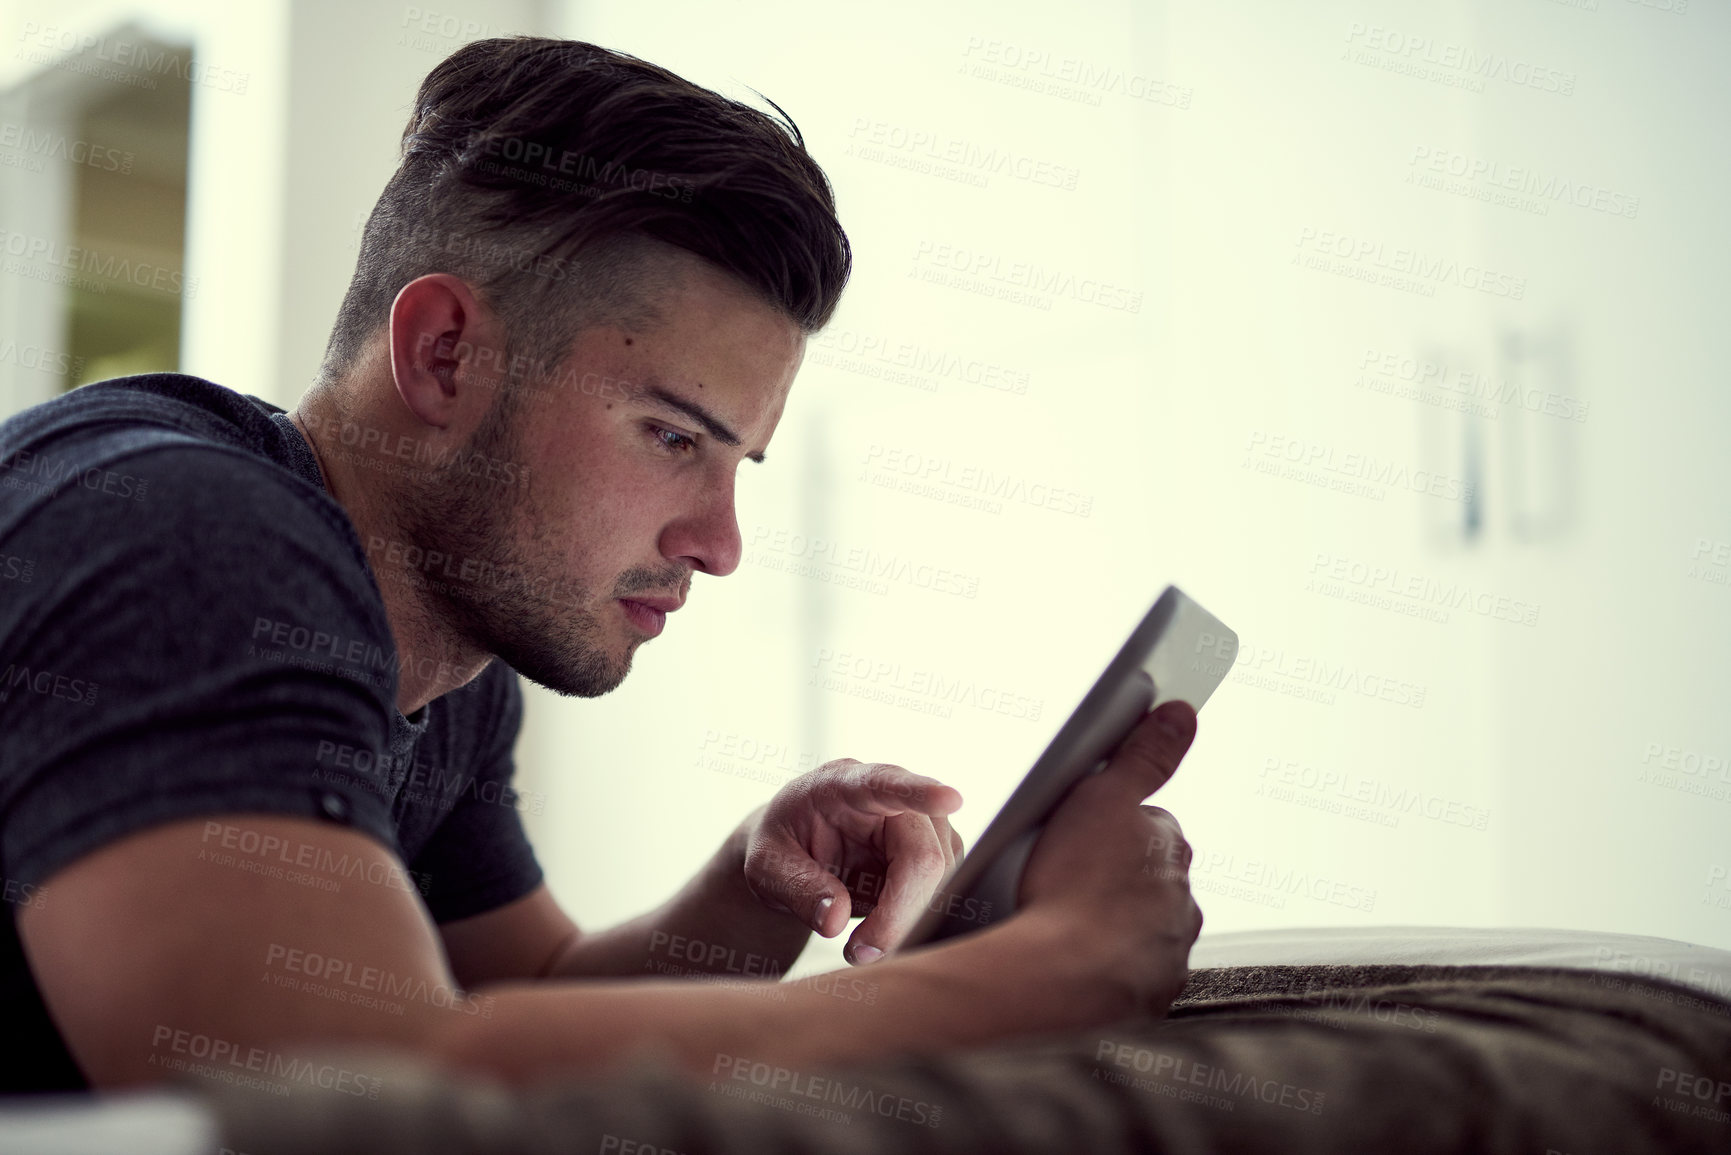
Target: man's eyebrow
[697,413]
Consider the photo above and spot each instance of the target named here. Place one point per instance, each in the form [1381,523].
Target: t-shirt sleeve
[183,651]
[479,857]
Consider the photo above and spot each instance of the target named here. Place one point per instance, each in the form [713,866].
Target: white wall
[1205,140]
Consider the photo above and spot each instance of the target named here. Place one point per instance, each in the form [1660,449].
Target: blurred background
[1389,331]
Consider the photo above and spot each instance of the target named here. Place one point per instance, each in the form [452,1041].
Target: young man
[259,693]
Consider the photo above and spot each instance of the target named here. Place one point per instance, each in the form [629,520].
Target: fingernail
[866,954]
[822,910]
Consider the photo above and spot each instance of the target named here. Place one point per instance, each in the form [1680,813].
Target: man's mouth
[649,614]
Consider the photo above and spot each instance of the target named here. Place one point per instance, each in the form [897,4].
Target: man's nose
[709,538]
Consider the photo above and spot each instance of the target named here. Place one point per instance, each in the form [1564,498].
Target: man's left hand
[854,838]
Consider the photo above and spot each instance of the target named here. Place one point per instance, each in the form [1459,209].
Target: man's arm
[714,925]
[846,839]
[156,951]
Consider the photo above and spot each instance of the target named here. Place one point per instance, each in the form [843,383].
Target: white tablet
[1179,651]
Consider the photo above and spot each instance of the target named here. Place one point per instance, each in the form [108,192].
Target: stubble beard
[523,608]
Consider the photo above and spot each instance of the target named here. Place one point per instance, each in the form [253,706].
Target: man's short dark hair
[547,174]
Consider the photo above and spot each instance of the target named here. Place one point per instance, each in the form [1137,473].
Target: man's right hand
[1121,869]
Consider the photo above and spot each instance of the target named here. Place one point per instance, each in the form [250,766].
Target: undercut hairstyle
[550,175]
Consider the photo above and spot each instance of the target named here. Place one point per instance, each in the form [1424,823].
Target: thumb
[788,879]
[1149,756]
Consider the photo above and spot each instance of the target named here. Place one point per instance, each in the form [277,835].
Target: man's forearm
[714,925]
[1023,976]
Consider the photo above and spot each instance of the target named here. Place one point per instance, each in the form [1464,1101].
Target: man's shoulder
[155,542]
[168,456]
[176,402]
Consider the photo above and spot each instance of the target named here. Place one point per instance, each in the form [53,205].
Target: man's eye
[672,441]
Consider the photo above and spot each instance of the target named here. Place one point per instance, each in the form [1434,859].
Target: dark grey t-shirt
[189,628]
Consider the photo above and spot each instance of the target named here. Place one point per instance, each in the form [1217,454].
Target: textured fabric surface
[1704,968]
[1290,1059]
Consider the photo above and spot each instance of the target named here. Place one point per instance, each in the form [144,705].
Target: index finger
[885,789]
[917,864]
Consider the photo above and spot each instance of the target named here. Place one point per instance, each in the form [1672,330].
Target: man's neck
[430,661]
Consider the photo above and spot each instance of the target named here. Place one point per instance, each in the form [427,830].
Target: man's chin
[589,674]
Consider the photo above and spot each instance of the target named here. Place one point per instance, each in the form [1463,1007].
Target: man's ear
[445,349]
